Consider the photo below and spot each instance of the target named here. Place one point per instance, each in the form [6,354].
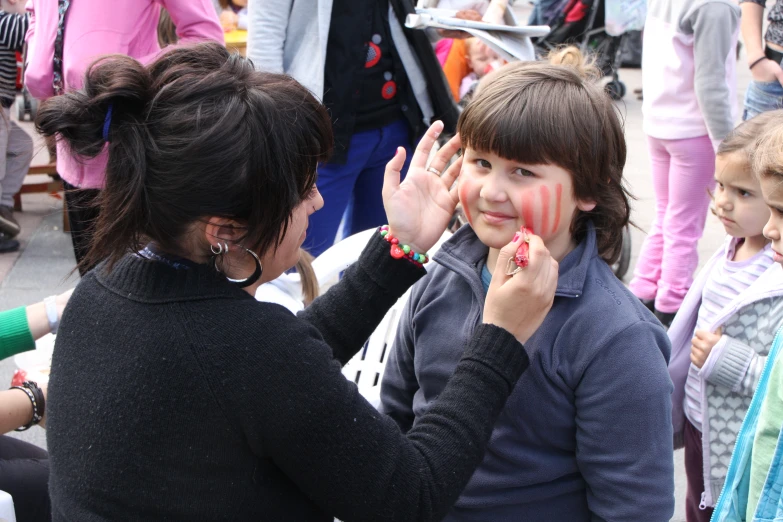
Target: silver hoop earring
[255,276]
[221,249]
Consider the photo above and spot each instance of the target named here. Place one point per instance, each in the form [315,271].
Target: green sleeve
[767,432]
[15,336]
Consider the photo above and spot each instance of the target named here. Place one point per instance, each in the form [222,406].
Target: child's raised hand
[702,344]
[419,208]
[520,302]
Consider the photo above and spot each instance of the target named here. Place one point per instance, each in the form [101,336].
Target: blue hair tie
[107,122]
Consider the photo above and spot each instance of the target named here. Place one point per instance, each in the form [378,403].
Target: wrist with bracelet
[756,62]
[52,315]
[402,251]
[36,396]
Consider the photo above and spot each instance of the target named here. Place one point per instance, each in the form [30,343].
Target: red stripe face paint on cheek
[558,201]
[527,209]
[544,208]
[463,198]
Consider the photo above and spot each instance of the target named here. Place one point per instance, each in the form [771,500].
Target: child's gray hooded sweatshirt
[586,434]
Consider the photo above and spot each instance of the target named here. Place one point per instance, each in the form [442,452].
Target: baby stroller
[582,23]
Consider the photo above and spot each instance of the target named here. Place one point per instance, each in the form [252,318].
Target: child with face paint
[586,434]
[752,489]
[721,335]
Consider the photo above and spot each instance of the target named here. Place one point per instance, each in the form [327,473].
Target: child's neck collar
[748,247]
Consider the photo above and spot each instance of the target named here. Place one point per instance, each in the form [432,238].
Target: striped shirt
[726,281]
[12,31]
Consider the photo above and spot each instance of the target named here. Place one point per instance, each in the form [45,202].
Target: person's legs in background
[762,97]
[24,474]
[368,211]
[82,205]
[647,273]
[691,178]
[16,146]
[336,184]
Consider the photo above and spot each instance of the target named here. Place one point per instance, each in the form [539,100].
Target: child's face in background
[772,188]
[739,203]
[499,196]
[479,57]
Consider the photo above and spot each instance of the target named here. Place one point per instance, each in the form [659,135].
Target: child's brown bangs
[525,124]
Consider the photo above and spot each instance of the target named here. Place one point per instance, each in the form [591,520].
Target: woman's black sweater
[176,396]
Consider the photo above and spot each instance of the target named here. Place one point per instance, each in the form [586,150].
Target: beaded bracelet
[35,394]
[399,251]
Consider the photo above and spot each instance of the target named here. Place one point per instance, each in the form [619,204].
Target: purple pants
[683,175]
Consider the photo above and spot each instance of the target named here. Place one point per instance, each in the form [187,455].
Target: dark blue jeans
[358,183]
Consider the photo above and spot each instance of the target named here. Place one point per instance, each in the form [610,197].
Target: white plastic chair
[366,367]
[7,513]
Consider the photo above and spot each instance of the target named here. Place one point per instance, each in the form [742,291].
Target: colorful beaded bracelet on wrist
[399,251]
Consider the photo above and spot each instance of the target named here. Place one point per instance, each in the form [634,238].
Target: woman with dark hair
[204,404]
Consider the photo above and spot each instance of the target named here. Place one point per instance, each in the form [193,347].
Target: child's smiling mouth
[496,218]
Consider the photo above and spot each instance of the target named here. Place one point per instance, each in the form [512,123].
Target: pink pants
[683,174]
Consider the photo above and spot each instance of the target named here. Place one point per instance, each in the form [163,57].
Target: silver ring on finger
[434,171]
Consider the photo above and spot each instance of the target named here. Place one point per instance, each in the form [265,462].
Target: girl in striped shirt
[723,332]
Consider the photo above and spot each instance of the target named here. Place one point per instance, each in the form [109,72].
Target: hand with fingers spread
[520,302]
[702,344]
[419,208]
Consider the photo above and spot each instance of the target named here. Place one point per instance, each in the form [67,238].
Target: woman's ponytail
[108,113]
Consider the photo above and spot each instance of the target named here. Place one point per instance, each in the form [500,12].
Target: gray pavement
[44,264]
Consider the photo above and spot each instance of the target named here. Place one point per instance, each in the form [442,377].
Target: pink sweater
[97,27]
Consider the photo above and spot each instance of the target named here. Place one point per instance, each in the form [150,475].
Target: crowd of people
[525,381]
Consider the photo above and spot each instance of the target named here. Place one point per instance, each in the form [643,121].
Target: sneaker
[8,224]
[665,318]
[7,244]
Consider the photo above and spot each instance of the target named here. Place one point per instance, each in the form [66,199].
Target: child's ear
[586,206]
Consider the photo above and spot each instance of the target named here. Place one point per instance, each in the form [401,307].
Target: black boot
[665,318]
[7,244]
[8,223]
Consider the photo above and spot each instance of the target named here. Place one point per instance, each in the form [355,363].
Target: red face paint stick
[522,257]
